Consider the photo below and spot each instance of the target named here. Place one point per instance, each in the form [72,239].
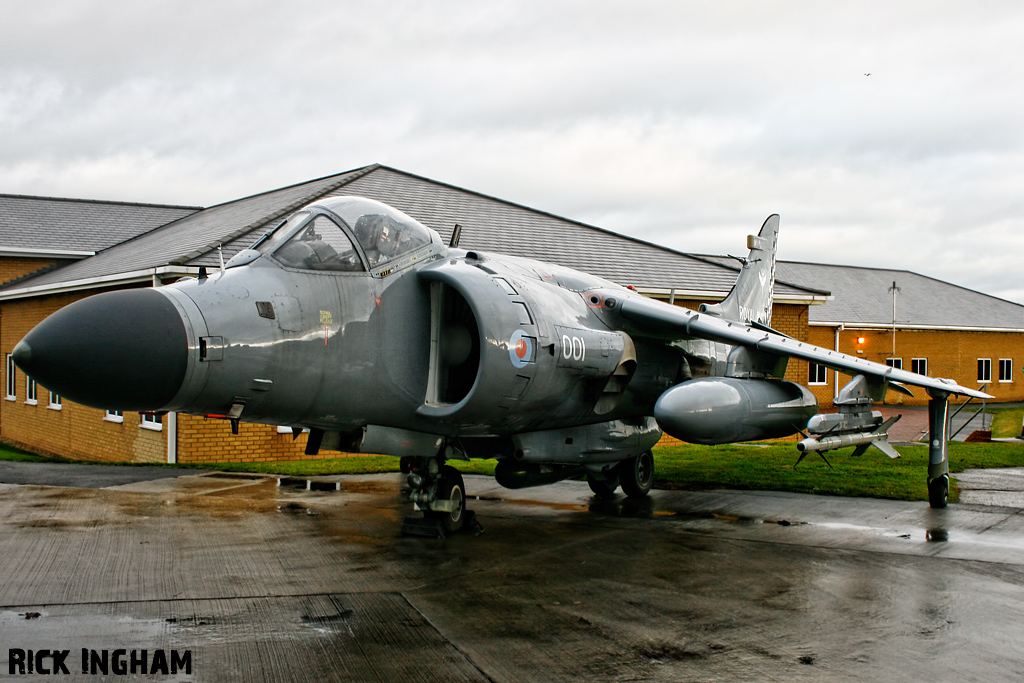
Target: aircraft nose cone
[124,350]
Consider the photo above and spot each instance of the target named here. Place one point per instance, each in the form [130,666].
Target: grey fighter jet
[353,320]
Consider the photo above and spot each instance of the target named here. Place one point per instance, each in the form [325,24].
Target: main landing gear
[938,449]
[635,475]
[439,491]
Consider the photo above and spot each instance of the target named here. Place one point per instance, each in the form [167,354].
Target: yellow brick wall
[950,354]
[210,440]
[15,267]
[74,431]
[80,432]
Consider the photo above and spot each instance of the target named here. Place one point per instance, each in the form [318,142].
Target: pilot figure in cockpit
[378,236]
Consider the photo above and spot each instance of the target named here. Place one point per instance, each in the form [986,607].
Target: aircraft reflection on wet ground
[280,583]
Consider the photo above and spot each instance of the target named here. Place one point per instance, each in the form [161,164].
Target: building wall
[202,440]
[73,431]
[76,431]
[15,267]
[79,432]
[950,354]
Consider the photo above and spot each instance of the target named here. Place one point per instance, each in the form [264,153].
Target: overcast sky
[683,123]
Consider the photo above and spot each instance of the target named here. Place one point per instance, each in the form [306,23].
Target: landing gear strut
[439,491]
[938,449]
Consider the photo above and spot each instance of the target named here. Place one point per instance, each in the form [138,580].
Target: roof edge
[677,292]
[887,327]
[99,201]
[44,253]
[97,282]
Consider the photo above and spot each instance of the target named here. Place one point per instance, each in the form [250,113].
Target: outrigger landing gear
[440,492]
[938,449]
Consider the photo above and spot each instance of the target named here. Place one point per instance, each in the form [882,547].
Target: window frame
[918,363]
[986,376]
[894,363]
[1007,376]
[56,402]
[116,416]
[816,370]
[11,380]
[151,422]
[31,391]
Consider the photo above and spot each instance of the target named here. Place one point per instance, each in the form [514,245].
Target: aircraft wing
[665,320]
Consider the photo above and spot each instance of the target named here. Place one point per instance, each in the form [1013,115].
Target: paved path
[266,583]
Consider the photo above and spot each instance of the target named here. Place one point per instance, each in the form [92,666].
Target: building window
[31,391]
[114,416]
[817,374]
[984,369]
[12,390]
[152,421]
[1005,369]
[56,403]
[894,363]
[919,365]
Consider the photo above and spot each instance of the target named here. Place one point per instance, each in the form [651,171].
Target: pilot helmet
[368,229]
[387,242]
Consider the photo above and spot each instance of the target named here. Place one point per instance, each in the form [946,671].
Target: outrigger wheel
[938,491]
[636,475]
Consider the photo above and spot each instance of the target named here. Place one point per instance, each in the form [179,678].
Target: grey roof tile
[489,224]
[78,224]
[194,235]
[864,296]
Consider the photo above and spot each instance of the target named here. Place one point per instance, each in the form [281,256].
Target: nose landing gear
[439,491]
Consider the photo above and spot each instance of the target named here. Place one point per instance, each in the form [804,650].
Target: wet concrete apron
[267,583]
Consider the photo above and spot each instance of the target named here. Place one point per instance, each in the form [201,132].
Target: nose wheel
[440,492]
[938,491]
[449,505]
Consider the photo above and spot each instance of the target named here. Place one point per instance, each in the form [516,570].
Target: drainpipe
[172,438]
[835,389]
[171,428]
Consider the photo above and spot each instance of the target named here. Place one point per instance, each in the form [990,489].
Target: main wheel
[938,491]
[451,488]
[637,474]
[604,488]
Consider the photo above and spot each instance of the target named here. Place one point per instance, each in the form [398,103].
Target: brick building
[55,251]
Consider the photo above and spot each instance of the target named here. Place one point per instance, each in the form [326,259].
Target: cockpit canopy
[322,239]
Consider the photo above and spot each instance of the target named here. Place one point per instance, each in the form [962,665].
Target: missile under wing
[353,320]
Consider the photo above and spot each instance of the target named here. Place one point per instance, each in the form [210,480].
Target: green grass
[10,453]
[1006,422]
[761,466]
[771,467]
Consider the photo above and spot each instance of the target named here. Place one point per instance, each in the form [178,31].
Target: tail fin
[750,300]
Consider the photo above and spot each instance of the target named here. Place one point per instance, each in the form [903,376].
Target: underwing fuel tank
[715,410]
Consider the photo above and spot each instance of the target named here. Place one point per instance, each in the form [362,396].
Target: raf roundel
[520,349]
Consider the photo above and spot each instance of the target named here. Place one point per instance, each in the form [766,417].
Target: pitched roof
[77,225]
[192,236]
[489,224]
[863,296]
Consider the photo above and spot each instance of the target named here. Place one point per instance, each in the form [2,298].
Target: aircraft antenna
[220,255]
[456,235]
